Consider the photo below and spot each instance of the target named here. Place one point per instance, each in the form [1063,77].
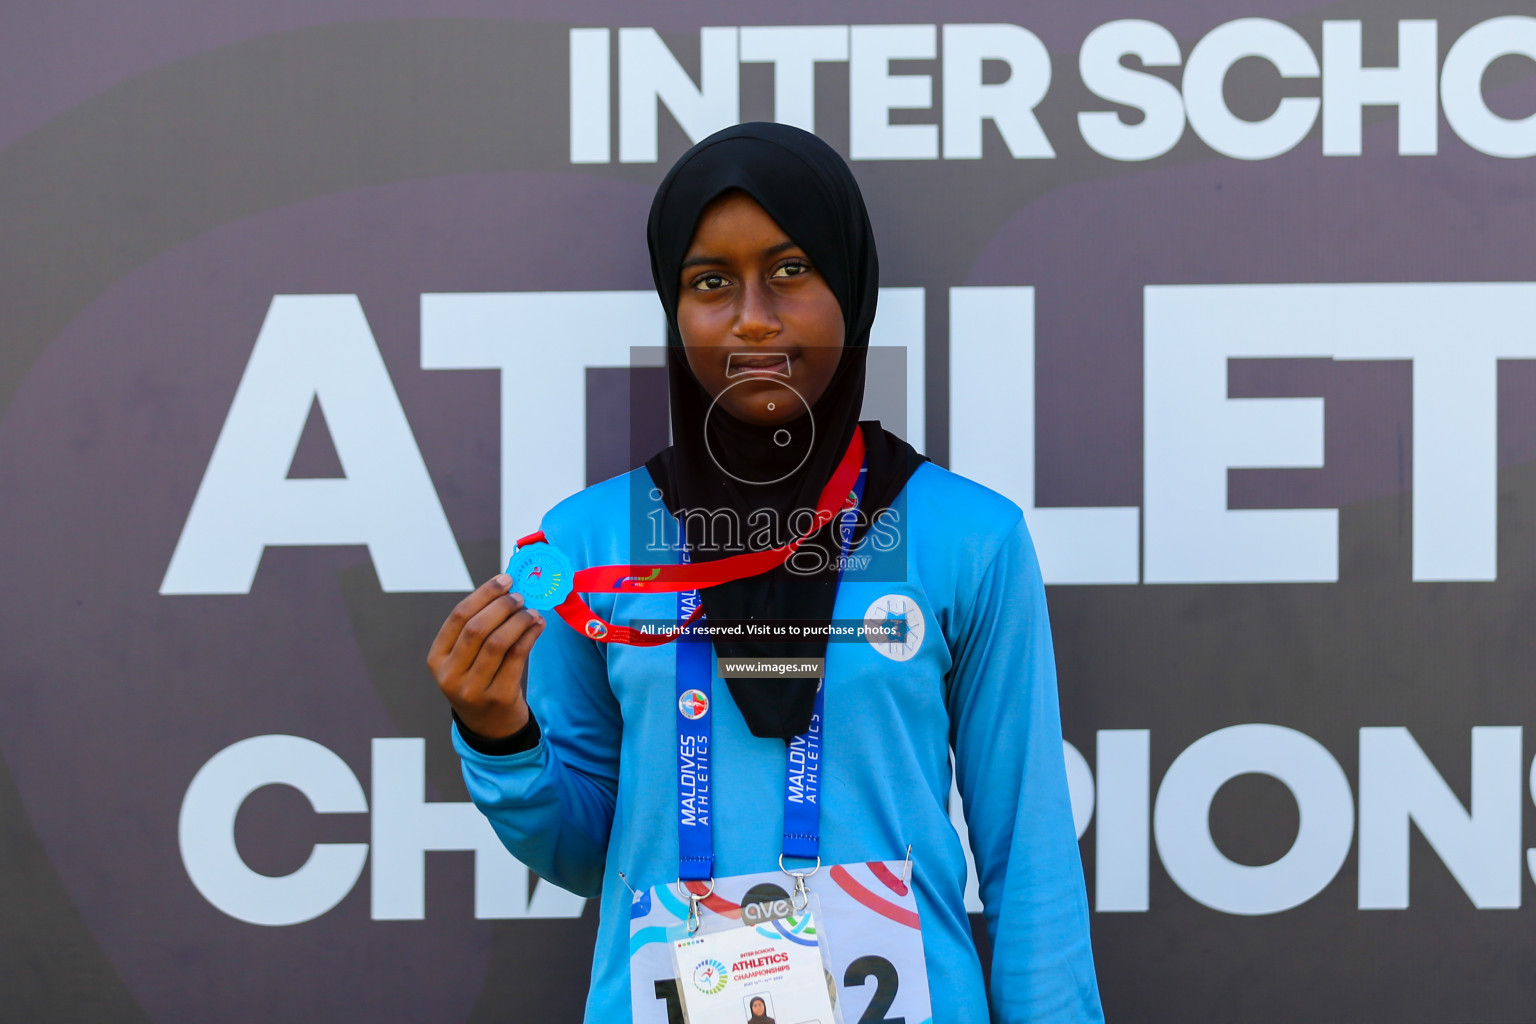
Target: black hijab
[811,194]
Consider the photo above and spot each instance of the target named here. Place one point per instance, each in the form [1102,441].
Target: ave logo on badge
[898,617]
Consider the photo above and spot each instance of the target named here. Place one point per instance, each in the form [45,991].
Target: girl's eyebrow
[703,261]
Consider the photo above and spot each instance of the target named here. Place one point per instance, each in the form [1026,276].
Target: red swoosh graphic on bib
[880,871]
[884,908]
[718,904]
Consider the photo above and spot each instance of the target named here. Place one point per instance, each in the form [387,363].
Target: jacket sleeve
[552,805]
[1006,732]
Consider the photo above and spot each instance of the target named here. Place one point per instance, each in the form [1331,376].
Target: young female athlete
[765,264]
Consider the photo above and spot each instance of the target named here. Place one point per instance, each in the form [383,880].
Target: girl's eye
[709,282]
[792,268]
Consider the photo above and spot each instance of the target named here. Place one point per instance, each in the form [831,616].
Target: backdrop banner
[308,311]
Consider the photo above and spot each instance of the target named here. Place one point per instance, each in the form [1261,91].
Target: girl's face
[761,329]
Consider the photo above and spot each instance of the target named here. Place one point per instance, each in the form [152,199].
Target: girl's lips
[756,364]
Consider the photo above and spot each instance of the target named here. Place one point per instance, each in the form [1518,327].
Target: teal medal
[541,574]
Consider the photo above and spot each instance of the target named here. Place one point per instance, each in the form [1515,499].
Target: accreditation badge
[767,962]
[853,952]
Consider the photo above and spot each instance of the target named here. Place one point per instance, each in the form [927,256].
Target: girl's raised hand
[480,655]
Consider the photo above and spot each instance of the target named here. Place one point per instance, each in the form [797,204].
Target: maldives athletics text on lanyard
[802,782]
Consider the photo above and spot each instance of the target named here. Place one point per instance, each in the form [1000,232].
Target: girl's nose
[757,318]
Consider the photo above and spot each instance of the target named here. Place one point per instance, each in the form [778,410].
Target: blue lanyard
[695,692]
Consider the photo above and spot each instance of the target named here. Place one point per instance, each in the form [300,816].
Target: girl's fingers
[477,679]
[506,685]
[472,604]
[476,633]
[525,642]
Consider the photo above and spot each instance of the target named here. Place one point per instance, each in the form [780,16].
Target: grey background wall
[1178,307]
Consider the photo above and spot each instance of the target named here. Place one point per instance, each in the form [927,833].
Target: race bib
[862,926]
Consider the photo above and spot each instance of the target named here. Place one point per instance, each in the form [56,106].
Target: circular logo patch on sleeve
[894,626]
[542,574]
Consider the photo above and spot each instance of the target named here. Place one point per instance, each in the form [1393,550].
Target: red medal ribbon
[666,579]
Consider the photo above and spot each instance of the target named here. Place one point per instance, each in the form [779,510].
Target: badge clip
[695,916]
[801,897]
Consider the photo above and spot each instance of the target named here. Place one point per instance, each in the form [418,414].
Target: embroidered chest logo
[894,626]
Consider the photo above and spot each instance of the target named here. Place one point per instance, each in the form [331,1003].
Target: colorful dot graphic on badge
[693,704]
[710,977]
[542,574]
